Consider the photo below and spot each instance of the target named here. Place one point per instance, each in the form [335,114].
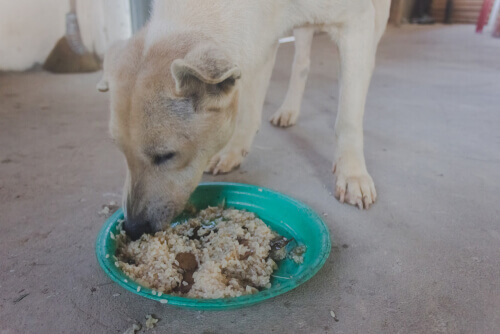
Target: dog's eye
[162,158]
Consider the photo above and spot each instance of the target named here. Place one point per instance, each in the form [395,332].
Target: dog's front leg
[357,45]
[251,100]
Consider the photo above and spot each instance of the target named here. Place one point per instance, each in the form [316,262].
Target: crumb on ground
[150,321]
[133,329]
[108,209]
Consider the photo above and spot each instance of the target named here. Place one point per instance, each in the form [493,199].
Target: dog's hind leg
[251,100]
[289,111]
[357,42]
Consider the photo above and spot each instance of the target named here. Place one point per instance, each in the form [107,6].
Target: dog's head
[173,107]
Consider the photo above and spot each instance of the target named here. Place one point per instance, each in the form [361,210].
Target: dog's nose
[135,227]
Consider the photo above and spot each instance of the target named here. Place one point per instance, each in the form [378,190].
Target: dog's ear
[204,69]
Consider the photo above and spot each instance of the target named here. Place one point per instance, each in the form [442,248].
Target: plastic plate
[282,213]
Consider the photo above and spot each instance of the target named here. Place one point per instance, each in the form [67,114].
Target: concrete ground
[424,259]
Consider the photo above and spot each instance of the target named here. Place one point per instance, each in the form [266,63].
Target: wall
[102,22]
[464,11]
[29,29]
[141,10]
[401,11]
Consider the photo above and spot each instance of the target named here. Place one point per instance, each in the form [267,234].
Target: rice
[150,321]
[297,254]
[216,254]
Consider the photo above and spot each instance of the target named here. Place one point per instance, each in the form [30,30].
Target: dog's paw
[355,189]
[225,161]
[284,117]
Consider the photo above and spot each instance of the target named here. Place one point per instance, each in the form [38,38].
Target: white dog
[188,91]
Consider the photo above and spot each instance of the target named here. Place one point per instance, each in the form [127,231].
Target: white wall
[29,29]
[102,22]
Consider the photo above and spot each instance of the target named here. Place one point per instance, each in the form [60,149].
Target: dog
[187,93]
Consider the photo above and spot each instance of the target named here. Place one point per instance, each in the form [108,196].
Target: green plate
[283,214]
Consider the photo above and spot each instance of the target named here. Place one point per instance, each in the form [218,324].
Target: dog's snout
[146,216]
[136,226]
